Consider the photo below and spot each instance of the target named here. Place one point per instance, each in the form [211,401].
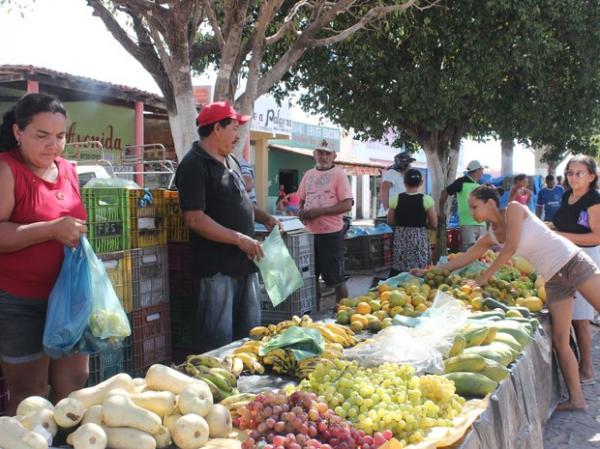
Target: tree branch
[214,23]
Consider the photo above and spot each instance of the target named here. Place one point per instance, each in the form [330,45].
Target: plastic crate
[151,336]
[108,218]
[118,268]
[149,276]
[301,247]
[453,239]
[3,395]
[363,253]
[148,218]
[183,317]
[181,278]
[105,364]
[387,249]
[298,303]
[176,230]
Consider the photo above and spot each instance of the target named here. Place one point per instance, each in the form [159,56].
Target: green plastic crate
[108,218]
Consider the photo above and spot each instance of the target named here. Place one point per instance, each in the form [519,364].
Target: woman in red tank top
[40,212]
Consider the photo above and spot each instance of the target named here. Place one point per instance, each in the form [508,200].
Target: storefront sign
[270,117]
[314,135]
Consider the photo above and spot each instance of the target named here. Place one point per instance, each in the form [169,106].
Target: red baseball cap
[217,111]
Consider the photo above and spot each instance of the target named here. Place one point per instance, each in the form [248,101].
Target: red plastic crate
[181,279]
[3,395]
[151,336]
[387,248]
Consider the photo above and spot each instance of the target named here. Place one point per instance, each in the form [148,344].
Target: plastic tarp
[358,231]
[423,345]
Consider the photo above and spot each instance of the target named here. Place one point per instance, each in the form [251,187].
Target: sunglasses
[577,174]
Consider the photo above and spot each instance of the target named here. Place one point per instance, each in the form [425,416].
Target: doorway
[289,180]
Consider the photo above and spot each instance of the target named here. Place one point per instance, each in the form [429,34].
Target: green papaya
[509,340]
[503,358]
[472,363]
[494,371]
[472,384]
[458,346]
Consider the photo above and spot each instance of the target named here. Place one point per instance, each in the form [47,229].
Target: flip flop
[588,382]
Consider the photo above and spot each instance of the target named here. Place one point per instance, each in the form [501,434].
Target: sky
[63,35]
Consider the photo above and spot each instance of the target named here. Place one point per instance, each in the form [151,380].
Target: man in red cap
[218,211]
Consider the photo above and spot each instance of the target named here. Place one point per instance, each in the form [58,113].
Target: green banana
[220,382]
[206,360]
[236,398]
[216,392]
[227,375]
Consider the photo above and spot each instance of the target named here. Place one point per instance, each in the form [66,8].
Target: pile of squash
[164,408]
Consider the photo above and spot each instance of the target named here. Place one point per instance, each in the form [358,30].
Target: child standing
[411,213]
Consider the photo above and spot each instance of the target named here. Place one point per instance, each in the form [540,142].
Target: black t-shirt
[572,218]
[207,185]
[410,211]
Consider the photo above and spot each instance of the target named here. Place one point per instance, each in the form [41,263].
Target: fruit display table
[520,407]
[517,410]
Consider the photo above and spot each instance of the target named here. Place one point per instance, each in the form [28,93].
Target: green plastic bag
[278,270]
[302,342]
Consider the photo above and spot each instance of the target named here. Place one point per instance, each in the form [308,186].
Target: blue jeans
[227,308]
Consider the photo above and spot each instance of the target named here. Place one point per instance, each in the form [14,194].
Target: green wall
[282,160]
[114,126]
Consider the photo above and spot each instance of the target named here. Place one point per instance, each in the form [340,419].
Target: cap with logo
[474,165]
[217,111]
[325,147]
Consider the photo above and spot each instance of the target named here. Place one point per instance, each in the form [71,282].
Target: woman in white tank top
[564,266]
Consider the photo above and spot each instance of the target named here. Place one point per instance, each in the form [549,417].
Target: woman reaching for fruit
[565,266]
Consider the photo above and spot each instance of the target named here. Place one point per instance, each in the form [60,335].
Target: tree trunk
[183,119]
[442,161]
[508,146]
[552,167]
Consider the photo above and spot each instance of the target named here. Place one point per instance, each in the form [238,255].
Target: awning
[353,166]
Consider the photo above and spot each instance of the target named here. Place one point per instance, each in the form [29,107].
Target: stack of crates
[150,316]
[109,235]
[176,230]
[301,248]
[3,395]
[387,249]
[148,217]
[183,303]
[364,252]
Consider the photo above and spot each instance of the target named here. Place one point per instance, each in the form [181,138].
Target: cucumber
[492,304]
[472,384]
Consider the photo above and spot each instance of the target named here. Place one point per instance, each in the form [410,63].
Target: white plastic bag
[423,346]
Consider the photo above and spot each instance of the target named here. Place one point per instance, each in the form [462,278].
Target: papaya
[532,303]
[486,315]
[492,304]
[504,348]
[503,358]
[492,331]
[472,384]
[524,311]
[476,336]
[509,340]
[472,363]
[494,371]
[458,346]
[515,329]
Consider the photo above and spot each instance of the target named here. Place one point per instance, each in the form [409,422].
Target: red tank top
[31,272]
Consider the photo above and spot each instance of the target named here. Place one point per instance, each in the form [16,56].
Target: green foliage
[518,68]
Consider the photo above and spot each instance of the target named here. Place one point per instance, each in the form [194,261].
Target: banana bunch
[282,361]
[248,354]
[219,374]
[335,333]
[235,401]
[272,330]
[331,332]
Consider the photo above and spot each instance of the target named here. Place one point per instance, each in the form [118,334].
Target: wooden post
[139,141]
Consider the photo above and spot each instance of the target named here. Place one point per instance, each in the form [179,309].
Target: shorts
[582,309]
[291,208]
[329,258]
[575,272]
[469,234]
[22,323]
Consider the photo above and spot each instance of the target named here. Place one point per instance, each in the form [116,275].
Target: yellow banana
[259,331]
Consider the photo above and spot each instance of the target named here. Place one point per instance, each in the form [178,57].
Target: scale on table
[288,224]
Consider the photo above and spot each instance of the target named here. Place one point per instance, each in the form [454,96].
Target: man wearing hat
[325,195]
[218,211]
[470,230]
[392,182]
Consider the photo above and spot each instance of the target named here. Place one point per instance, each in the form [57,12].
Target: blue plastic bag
[69,305]
[277,268]
[108,324]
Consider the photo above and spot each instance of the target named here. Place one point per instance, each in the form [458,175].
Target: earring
[18,143]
